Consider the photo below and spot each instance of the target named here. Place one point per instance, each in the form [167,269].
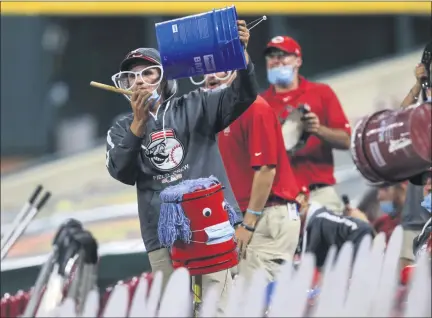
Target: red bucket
[204,208]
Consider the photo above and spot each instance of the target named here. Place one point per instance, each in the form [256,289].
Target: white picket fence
[366,289]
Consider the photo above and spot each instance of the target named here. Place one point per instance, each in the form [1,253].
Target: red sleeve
[336,117]
[260,127]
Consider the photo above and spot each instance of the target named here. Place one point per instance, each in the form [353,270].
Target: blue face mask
[387,207]
[281,75]
[426,203]
[219,233]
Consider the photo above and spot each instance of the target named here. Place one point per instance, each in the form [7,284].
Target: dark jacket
[179,143]
[323,229]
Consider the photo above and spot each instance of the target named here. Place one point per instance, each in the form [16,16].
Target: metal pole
[23,225]
[197,291]
[40,283]
[21,215]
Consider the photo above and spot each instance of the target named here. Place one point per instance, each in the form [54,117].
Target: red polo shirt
[255,140]
[314,163]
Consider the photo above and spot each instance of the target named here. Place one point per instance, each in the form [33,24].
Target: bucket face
[200,44]
[205,208]
[393,145]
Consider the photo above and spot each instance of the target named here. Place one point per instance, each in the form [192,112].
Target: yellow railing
[191,7]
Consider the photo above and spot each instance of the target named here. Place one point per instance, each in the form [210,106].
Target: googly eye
[207,212]
[224,205]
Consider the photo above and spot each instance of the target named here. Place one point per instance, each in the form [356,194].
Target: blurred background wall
[51,51]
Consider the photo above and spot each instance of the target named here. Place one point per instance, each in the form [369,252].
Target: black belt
[316,186]
[274,201]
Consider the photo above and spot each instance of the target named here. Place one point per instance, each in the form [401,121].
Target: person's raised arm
[414,92]
[223,107]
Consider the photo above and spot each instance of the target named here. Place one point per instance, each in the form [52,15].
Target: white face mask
[219,233]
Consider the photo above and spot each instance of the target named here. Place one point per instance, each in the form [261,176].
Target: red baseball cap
[284,43]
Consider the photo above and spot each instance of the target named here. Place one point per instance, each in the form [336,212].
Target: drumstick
[110,88]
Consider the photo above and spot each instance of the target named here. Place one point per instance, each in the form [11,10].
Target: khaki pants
[329,198]
[160,260]
[275,239]
[407,252]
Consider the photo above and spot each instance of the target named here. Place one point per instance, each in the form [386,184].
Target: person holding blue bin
[168,139]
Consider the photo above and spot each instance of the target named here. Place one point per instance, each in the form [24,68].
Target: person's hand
[311,123]
[420,71]
[243,238]
[244,36]
[243,32]
[358,214]
[140,107]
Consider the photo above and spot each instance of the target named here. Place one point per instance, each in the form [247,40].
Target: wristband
[237,223]
[253,212]
[247,227]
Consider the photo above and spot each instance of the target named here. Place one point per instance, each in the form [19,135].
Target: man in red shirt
[391,198]
[329,129]
[261,177]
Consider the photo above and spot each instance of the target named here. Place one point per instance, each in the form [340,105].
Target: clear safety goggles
[150,76]
[200,80]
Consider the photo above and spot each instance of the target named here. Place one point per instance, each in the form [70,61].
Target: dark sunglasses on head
[277,54]
[272,52]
